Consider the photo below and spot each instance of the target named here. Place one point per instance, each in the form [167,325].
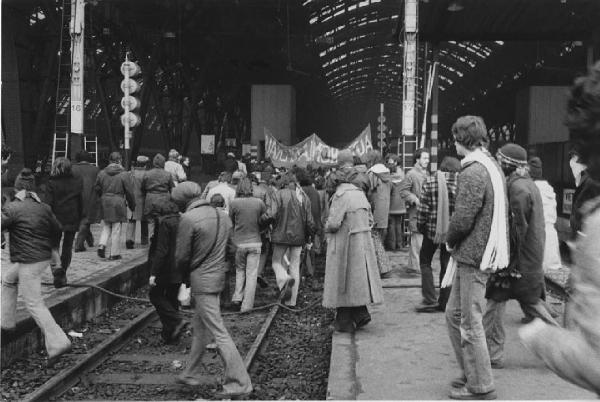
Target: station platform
[71,306]
[407,355]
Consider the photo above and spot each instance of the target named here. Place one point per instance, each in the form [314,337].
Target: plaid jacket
[427,211]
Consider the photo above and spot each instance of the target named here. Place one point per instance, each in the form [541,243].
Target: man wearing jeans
[468,236]
[435,208]
[410,190]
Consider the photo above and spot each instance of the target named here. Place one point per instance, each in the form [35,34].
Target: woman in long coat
[351,274]
[156,187]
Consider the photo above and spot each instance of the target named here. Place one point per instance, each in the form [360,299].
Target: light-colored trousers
[207,324]
[464,316]
[416,239]
[26,279]
[112,230]
[281,272]
[247,260]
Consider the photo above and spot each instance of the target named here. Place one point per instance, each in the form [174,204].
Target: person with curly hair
[574,353]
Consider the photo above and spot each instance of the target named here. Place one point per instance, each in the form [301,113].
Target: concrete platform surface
[405,355]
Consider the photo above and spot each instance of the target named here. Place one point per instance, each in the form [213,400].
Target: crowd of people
[490,216]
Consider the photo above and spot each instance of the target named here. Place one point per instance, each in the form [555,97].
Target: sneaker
[427,308]
[101,252]
[115,257]
[465,395]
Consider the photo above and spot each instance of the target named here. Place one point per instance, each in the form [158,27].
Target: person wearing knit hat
[201,247]
[551,249]
[523,280]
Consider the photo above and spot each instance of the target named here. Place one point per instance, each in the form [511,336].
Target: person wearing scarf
[524,278]
[433,219]
[478,240]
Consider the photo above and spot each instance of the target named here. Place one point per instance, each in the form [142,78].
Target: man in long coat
[351,274]
[84,168]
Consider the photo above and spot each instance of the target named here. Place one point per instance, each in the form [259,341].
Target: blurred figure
[574,353]
[115,189]
[306,183]
[395,234]
[351,272]
[165,277]
[84,168]
[34,232]
[436,205]
[64,194]
[187,166]
[203,236]
[245,212]
[410,190]
[551,250]
[174,167]
[137,177]
[231,164]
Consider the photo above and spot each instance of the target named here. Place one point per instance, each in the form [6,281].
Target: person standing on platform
[203,236]
[351,272]
[410,190]
[137,177]
[380,189]
[64,194]
[478,240]
[33,233]
[523,280]
[436,205]
[165,278]
[84,168]
[115,189]
[395,232]
[290,214]
[574,353]
[174,167]
[245,212]
[552,259]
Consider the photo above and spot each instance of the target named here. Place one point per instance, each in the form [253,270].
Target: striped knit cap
[513,155]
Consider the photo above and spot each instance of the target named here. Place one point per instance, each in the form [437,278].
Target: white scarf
[495,256]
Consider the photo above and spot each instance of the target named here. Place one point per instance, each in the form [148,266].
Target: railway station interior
[228,76]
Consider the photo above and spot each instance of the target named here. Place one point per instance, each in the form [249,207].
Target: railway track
[134,358]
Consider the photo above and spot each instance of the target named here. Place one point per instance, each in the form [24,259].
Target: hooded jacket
[380,189]
[156,186]
[115,188]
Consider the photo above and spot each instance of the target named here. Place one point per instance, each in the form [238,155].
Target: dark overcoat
[115,188]
[64,194]
[91,202]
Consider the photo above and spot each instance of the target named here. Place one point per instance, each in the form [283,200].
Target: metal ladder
[61,138]
[91,146]
[409,146]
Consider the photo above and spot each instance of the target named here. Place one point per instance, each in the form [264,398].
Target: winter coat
[380,189]
[156,188]
[292,221]
[64,194]
[163,260]
[410,191]
[33,228]
[115,189]
[351,272]
[587,190]
[137,176]
[91,203]
[527,238]
[397,204]
[551,250]
[315,205]
[195,256]
[470,224]
[245,214]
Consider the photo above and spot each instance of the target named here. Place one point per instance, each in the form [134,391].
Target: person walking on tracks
[574,353]
[115,188]
[84,168]
[478,240]
[34,232]
[64,194]
[203,236]
[351,273]
[433,218]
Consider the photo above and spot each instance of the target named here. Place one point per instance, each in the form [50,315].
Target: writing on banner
[312,150]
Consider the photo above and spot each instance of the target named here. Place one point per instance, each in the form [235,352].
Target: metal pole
[127,134]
